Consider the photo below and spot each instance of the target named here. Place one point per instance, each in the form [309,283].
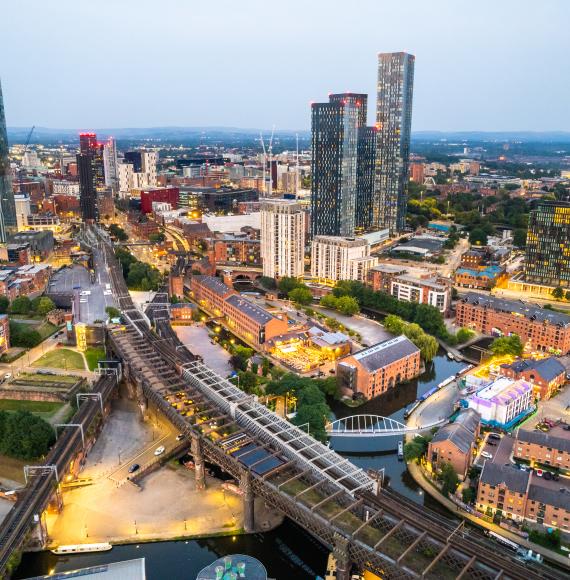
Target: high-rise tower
[91,175]
[334,127]
[393,122]
[7,204]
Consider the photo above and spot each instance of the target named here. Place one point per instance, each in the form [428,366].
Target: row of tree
[138,275]
[427,344]
[23,305]
[347,305]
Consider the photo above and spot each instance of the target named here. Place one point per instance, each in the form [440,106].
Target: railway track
[41,487]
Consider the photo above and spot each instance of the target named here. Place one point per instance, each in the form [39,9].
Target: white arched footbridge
[374,426]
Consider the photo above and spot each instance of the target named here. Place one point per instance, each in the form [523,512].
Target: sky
[485,65]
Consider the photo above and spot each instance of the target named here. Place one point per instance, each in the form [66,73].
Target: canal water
[289,553]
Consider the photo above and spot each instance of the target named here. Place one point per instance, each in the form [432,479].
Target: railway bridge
[365,524]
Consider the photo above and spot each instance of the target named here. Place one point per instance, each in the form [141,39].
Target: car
[7,376]
[159,450]
[83,300]
[539,472]
[547,475]
[566,427]
[134,467]
[492,443]
[179,437]
[486,455]
[493,436]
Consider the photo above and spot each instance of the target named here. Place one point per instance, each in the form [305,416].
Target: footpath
[418,476]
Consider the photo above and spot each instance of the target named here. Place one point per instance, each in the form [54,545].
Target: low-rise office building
[381,367]
[540,329]
[481,278]
[380,277]
[456,443]
[433,291]
[546,375]
[545,448]
[503,402]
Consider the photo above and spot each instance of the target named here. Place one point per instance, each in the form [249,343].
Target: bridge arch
[373,426]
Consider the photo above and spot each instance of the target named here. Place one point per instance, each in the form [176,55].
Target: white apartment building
[335,258]
[22,203]
[63,187]
[422,291]
[502,400]
[130,179]
[110,164]
[282,238]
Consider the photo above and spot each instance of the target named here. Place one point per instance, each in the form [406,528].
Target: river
[289,553]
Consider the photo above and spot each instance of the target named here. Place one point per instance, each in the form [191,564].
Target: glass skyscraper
[548,244]
[7,204]
[91,175]
[393,122]
[334,133]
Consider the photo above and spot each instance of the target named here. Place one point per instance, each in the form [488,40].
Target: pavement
[165,506]
[198,341]
[500,451]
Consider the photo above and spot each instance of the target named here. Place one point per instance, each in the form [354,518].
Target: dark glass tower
[365,170]
[90,168]
[394,122]
[548,244]
[7,204]
[334,131]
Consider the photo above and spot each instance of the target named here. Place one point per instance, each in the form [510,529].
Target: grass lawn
[37,380]
[12,468]
[61,358]
[93,355]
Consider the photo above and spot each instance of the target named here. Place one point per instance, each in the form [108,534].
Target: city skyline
[457,88]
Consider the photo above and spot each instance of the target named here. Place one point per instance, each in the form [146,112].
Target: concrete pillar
[248,502]
[198,461]
[142,401]
[342,557]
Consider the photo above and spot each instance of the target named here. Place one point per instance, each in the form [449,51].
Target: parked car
[486,455]
[547,475]
[539,472]
[493,436]
[134,467]
[159,450]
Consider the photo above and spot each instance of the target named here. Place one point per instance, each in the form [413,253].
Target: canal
[289,553]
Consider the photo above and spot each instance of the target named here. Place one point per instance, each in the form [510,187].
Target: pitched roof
[548,368]
[545,439]
[514,479]
[385,353]
[213,283]
[461,437]
[250,309]
[470,419]
[550,496]
[530,311]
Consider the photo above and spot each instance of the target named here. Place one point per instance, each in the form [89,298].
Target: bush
[21,305]
[24,435]
[23,336]
[268,282]
[468,495]
[44,305]
[416,448]
[286,284]
[449,479]
[464,334]
[507,345]
[427,344]
[112,312]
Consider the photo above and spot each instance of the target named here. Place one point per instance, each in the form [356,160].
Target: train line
[40,487]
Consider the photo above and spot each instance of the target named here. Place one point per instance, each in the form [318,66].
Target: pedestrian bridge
[374,426]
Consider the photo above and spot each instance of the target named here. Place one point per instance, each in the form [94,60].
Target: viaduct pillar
[342,557]
[196,448]
[248,502]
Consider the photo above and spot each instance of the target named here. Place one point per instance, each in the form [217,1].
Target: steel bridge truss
[373,426]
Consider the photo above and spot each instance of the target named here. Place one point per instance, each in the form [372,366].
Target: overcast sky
[480,65]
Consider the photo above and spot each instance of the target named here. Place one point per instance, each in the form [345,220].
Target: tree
[478,237]
[268,282]
[394,324]
[157,238]
[416,448]
[329,301]
[558,293]
[449,479]
[112,312]
[44,306]
[21,305]
[567,295]
[507,345]
[301,295]
[24,435]
[118,233]
[24,336]
[468,495]
[240,357]
[464,334]
[286,284]
[347,305]
[519,237]
[4,304]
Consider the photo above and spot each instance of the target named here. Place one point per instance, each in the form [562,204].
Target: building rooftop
[126,570]
[509,476]
[457,434]
[502,391]
[389,269]
[547,368]
[253,311]
[340,241]
[486,272]
[550,496]
[545,439]
[414,280]
[423,243]
[469,419]
[324,338]
[213,283]
[530,311]
[385,353]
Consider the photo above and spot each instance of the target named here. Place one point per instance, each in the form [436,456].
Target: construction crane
[267,158]
[21,173]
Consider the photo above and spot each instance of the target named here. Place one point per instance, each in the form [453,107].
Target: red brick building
[229,250]
[168,194]
[551,448]
[546,375]
[456,443]
[543,330]
[381,367]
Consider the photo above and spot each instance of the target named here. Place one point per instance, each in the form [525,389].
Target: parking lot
[198,341]
[500,450]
